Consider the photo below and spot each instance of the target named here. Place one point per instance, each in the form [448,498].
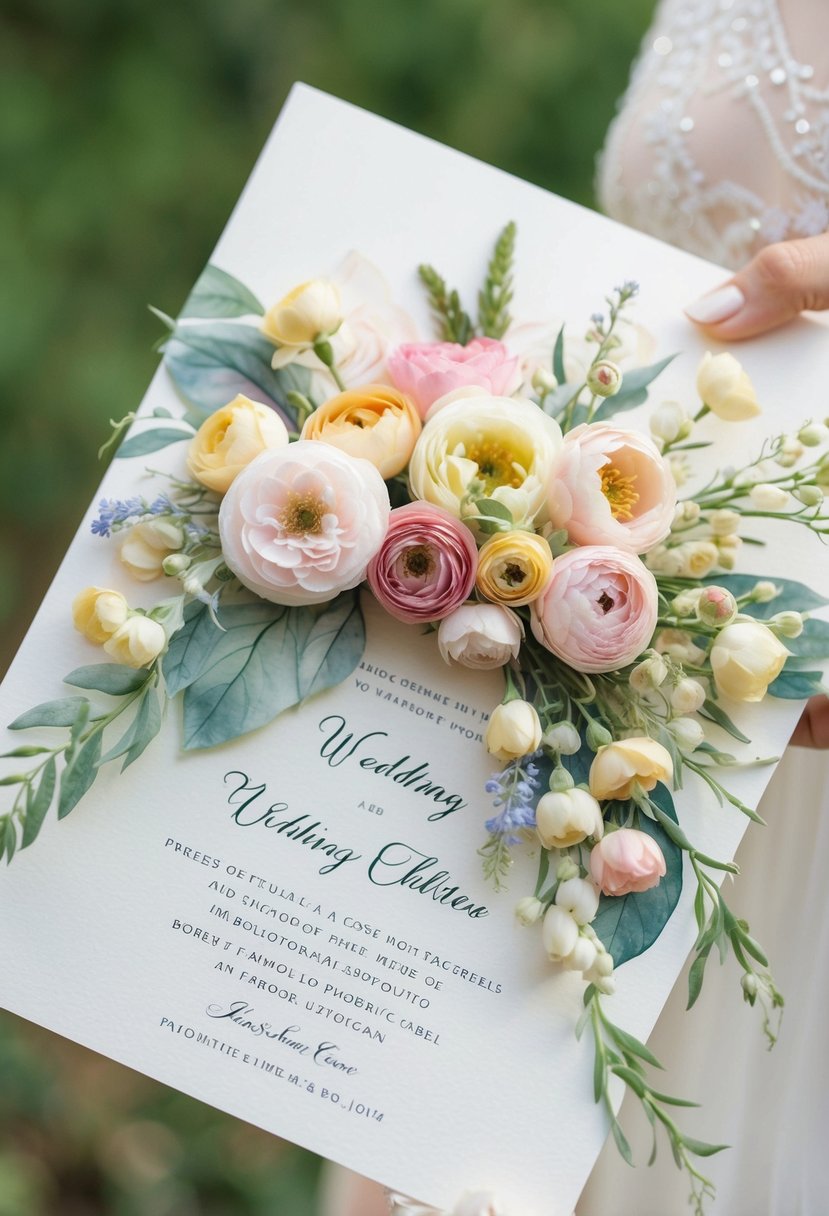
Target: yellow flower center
[496,465]
[618,490]
[303,515]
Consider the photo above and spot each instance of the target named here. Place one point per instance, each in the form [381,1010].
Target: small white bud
[529,910]
[649,674]
[767,497]
[787,624]
[175,564]
[810,496]
[581,957]
[687,732]
[724,522]
[764,592]
[670,422]
[679,469]
[604,378]
[750,986]
[687,513]
[562,738]
[544,381]
[685,604]
[688,696]
[578,897]
[813,435]
[790,452]
[567,869]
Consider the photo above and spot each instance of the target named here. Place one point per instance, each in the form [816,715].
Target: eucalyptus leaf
[219,294]
[112,678]
[797,685]
[558,358]
[79,775]
[793,595]
[139,734]
[37,808]
[190,649]
[714,713]
[9,838]
[813,642]
[210,364]
[629,924]
[62,712]
[634,390]
[494,508]
[268,658]
[151,441]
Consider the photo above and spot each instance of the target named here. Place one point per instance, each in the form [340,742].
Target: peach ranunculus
[300,524]
[376,422]
[619,766]
[230,439]
[626,861]
[425,566]
[479,446]
[514,568]
[429,370]
[599,609]
[612,487]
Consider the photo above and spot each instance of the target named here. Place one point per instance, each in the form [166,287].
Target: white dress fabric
[722,145]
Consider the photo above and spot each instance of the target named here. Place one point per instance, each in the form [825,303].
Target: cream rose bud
[688,696]
[688,734]
[724,522]
[308,313]
[230,439]
[513,731]
[745,658]
[147,545]
[97,612]
[480,636]
[620,766]
[567,817]
[578,897]
[138,642]
[698,558]
[559,933]
[765,497]
[726,388]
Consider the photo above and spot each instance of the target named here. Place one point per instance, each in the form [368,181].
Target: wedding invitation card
[294,926]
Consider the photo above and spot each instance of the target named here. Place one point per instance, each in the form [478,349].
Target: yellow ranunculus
[146,546]
[309,313]
[726,388]
[376,422]
[138,642]
[745,658]
[230,439]
[97,612]
[514,568]
[618,766]
[513,731]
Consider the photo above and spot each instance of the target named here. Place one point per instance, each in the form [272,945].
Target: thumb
[780,282]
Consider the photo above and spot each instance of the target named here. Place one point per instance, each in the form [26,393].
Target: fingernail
[717,305]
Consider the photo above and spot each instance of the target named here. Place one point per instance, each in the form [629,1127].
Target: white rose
[147,545]
[566,817]
[726,388]
[480,635]
[559,933]
[513,731]
[579,898]
[745,658]
[136,643]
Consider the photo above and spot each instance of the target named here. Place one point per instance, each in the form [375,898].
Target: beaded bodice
[721,143]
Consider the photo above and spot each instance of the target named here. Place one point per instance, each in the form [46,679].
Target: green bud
[764,592]
[750,986]
[560,780]
[604,378]
[812,435]
[787,624]
[597,736]
[325,353]
[810,496]
[567,869]
[175,564]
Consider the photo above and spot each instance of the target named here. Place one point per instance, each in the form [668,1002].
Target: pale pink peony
[426,371]
[599,610]
[426,565]
[612,487]
[626,861]
[300,523]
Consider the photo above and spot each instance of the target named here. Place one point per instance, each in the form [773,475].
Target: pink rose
[300,523]
[599,610]
[426,371]
[626,861]
[426,565]
[612,487]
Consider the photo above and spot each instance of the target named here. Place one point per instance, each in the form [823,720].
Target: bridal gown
[722,145]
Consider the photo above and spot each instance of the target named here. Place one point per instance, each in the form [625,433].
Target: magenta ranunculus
[426,565]
[599,610]
[300,523]
[625,861]
[426,371]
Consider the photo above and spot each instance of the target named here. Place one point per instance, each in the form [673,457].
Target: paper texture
[182,921]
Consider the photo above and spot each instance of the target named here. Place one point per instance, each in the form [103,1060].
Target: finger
[780,282]
[813,728]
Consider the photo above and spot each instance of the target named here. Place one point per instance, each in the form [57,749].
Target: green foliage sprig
[496,294]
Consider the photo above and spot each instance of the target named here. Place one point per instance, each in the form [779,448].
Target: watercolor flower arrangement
[481,487]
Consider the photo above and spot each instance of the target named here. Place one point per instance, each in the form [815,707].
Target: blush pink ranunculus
[426,371]
[612,487]
[426,565]
[626,861]
[599,610]
[300,523]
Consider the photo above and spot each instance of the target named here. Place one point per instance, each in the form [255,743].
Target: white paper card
[291,927]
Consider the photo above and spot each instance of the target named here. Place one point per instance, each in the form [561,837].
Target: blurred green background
[127,130]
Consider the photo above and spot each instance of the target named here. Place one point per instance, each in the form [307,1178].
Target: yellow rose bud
[726,388]
[513,731]
[514,568]
[745,658]
[309,313]
[147,545]
[97,612]
[617,767]
[138,642]
[230,439]
[376,423]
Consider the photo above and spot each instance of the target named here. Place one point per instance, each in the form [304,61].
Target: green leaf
[210,364]
[111,678]
[219,294]
[140,733]
[37,808]
[621,1142]
[9,839]
[634,390]
[269,658]
[558,360]
[629,924]
[712,711]
[813,642]
[50,713]
[696,976]
[151,441]
[494,508]
[190,649]
[797,685]
[793,595]
[632,1045]
[700,1148]
[79,775]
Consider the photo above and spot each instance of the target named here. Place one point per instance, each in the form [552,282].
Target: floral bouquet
[480,487]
